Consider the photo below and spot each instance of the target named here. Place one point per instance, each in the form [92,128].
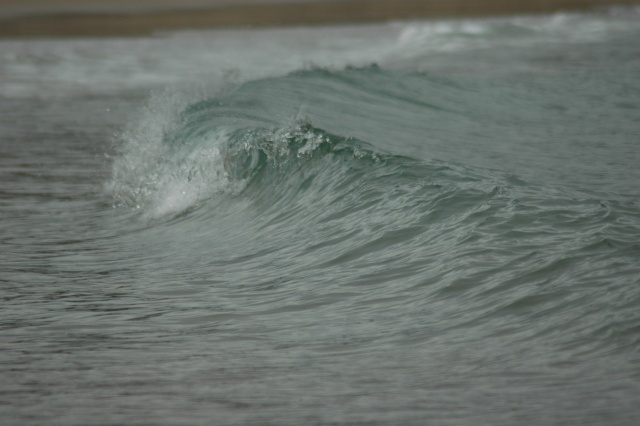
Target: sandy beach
[74,18]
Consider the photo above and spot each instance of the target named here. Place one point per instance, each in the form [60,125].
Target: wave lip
[196,161]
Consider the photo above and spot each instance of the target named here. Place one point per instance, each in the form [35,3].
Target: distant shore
[60,18]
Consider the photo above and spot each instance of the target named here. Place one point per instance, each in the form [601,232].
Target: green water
[410,223]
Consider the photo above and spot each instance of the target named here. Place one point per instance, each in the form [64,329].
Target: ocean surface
[397,224]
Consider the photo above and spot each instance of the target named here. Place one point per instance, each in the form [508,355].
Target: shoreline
[132,23]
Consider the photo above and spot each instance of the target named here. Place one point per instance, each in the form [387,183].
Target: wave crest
[181,167]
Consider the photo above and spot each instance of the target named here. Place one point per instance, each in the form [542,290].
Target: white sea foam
[48,68]
[161,178]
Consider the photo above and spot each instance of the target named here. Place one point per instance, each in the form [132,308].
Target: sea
[405,223]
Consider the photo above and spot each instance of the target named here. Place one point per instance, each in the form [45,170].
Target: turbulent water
[409,223]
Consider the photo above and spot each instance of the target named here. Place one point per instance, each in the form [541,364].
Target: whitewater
[422,222]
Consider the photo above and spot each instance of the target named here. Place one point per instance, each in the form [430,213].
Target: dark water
[412,223]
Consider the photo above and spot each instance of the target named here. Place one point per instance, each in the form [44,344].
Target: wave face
[425,239]
[365,248]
